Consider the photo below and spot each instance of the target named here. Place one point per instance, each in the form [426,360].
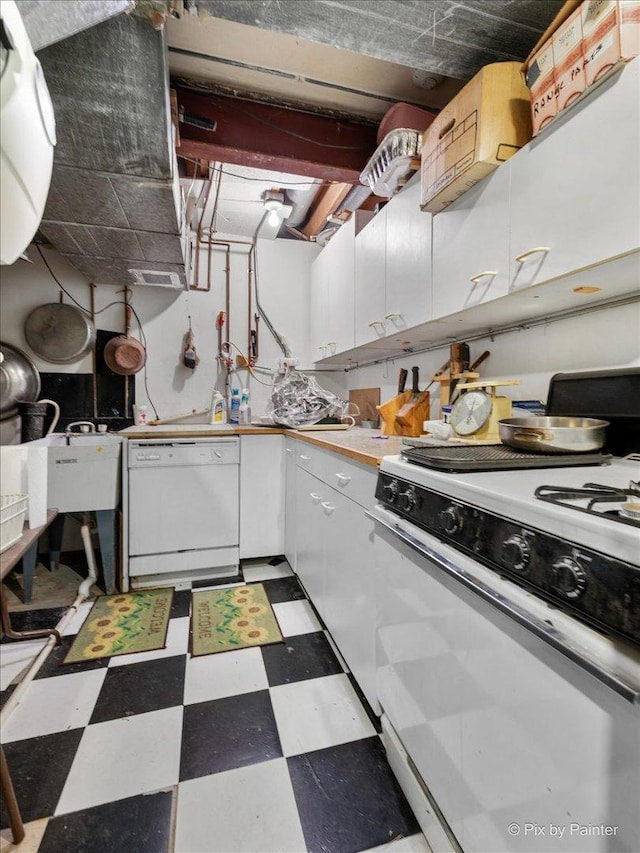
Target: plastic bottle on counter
[245,409]
[218,410]
[234,410]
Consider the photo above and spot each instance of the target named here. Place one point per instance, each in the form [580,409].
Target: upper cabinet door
[319,308]
[575,193]
[341,289]
[370,246]
[408,262]
[471,246]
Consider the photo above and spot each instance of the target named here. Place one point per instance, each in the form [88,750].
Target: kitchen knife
[480,360]
[402,380]
[414,387]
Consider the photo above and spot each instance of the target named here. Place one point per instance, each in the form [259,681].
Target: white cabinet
[393,268]
[319,307]
[311,536]
[408,261]
[575,190]
[261,495]
[471,247]
[341,289]
[332,295]
[290,501]
[334,553]
[371,252]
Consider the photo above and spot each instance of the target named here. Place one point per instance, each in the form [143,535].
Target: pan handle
[534,435]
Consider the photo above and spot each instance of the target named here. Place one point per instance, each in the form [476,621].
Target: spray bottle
[234,409]
[244,414]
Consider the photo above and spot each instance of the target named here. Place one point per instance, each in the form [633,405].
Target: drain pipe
[286,350]
[83,593]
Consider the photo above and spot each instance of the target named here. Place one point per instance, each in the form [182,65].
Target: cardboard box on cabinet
[485,124]
[585,43]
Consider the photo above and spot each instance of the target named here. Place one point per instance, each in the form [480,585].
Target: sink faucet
[89,427]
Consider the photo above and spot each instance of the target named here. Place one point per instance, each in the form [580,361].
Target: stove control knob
[450,519]
[391,490]
[569,578]
[516,552]
[407,500]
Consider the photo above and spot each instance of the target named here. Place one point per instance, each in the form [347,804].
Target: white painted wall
[283,281]
[605,339]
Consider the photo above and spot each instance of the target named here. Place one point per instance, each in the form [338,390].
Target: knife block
[412,420]
[388,412]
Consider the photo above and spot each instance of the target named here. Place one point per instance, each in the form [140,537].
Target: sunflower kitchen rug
[232,618]
[122,624]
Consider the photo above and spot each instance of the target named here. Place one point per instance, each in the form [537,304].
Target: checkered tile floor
[261,749]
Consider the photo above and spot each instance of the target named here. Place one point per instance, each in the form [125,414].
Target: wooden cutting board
[366,399]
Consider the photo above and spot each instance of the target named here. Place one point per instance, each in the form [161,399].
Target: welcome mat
[233,618]
[122,624]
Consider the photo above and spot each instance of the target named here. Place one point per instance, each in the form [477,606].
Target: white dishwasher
[182,509]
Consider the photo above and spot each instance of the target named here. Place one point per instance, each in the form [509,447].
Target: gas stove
[585,562]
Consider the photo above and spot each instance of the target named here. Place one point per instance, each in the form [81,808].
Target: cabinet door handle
[393,315]
[476,278]
[327,507]
[315,497]
[520,259]
[343,479]
[375,323]
[305,458]
[289,449]
[332,347]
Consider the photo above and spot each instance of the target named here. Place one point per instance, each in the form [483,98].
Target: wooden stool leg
[9,797]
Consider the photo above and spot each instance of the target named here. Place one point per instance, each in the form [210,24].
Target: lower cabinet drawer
[311,458]
[355,480]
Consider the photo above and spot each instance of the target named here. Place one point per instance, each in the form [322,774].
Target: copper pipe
[10,801]
[249,305]
[230,242]
[127,324]
[196,275]
[227,293]
[94,378]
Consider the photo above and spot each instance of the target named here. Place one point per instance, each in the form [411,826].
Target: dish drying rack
[13,509]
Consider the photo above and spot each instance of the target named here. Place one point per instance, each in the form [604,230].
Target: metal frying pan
[59,333]
[19,380]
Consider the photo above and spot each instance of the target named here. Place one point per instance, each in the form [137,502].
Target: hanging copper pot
[124,354]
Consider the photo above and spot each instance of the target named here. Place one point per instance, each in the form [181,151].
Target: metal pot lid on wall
[59,333]
[19,380]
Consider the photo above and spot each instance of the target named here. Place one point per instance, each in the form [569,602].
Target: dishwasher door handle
[541,629]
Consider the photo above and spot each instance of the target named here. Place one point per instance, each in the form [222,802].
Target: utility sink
[83,471]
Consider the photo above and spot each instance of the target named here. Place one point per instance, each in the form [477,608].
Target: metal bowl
[553,434]
[19,380]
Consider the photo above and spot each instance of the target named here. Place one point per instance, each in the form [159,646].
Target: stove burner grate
[590,499]
[496,457]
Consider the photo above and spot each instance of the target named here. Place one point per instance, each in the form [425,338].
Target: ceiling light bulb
[273,219]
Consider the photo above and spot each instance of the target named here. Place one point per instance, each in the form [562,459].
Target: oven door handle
[536,626]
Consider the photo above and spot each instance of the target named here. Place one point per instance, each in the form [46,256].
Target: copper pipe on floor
[10,801]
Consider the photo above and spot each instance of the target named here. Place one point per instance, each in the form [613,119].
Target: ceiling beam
[266,136]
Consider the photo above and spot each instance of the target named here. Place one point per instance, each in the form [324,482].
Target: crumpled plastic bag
[298,400]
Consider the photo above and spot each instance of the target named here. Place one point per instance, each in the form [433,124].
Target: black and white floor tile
[256,750]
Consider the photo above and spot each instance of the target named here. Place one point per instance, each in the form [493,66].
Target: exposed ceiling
[319,75]
[351,59]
